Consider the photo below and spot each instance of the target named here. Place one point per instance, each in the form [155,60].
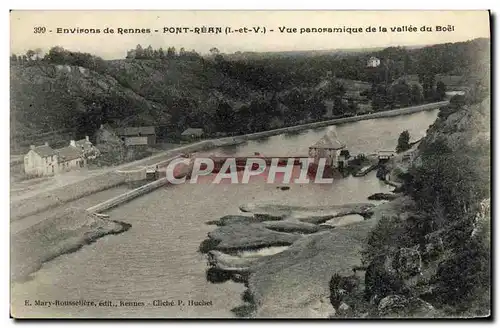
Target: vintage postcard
[250,164]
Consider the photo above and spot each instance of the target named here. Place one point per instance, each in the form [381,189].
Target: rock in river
[311,214]
[237,237]
[382,196]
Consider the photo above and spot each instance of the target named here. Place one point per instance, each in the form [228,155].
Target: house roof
[329,141]
[83,143]
[44,151]
[135,130]
[68,153]
[192,131]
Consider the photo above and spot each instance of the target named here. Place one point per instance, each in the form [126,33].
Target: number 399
[39,29]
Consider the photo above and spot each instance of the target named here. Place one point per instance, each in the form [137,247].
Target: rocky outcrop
[237,237]
[235,219]
[311,214]
[382,196]
[399,306]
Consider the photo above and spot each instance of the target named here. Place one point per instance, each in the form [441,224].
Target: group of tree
[29,56]
[59,55]
[149,53]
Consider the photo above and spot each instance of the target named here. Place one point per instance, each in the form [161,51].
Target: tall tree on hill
[214,51]
[29,54]
[427,79]
[161,53]
[148,52]
[38,53]
[440,90]
[171,52]
[417,95]
[225,117]
[139,52]
[401,93]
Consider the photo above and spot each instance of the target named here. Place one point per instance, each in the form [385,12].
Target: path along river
[157,258]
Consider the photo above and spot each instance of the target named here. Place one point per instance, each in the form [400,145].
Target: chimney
[72,143]
[87,138]
[46,143]
[32,147]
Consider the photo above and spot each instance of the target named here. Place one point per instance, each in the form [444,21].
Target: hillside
[72,93]
[47,97]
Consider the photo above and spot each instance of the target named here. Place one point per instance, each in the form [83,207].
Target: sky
[38,29]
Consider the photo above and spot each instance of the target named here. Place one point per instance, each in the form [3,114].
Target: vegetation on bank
[450,222]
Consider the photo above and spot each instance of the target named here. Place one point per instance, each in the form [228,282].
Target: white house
[373,62]
[41,161]
[44,161]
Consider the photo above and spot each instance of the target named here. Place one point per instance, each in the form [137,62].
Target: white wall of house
[70,165]
[331,155]
[36,165]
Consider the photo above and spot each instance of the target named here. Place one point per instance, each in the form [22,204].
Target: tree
[13,58]
[401,93]
[417,95]
[139,52]
[148,52]
[214,51]
[37,52]
[161,53]
[29,54]
[403,141]
[428,79]
[171,52]
[225,117]
[440,90]
[182,52]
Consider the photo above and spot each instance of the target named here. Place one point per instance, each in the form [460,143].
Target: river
[158,259]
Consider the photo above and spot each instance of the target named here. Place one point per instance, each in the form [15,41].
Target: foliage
[403,141]
[440,91]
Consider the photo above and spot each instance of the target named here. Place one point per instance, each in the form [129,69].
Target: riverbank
[60,234]
[109,179]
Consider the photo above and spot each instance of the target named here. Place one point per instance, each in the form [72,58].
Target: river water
[157,258]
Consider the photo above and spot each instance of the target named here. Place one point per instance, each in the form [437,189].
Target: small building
[385,155]
[373,62]
[192,133]
[343,159]
[41,161]
[137,136]
[328,147]
[87,149]
[70,158]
